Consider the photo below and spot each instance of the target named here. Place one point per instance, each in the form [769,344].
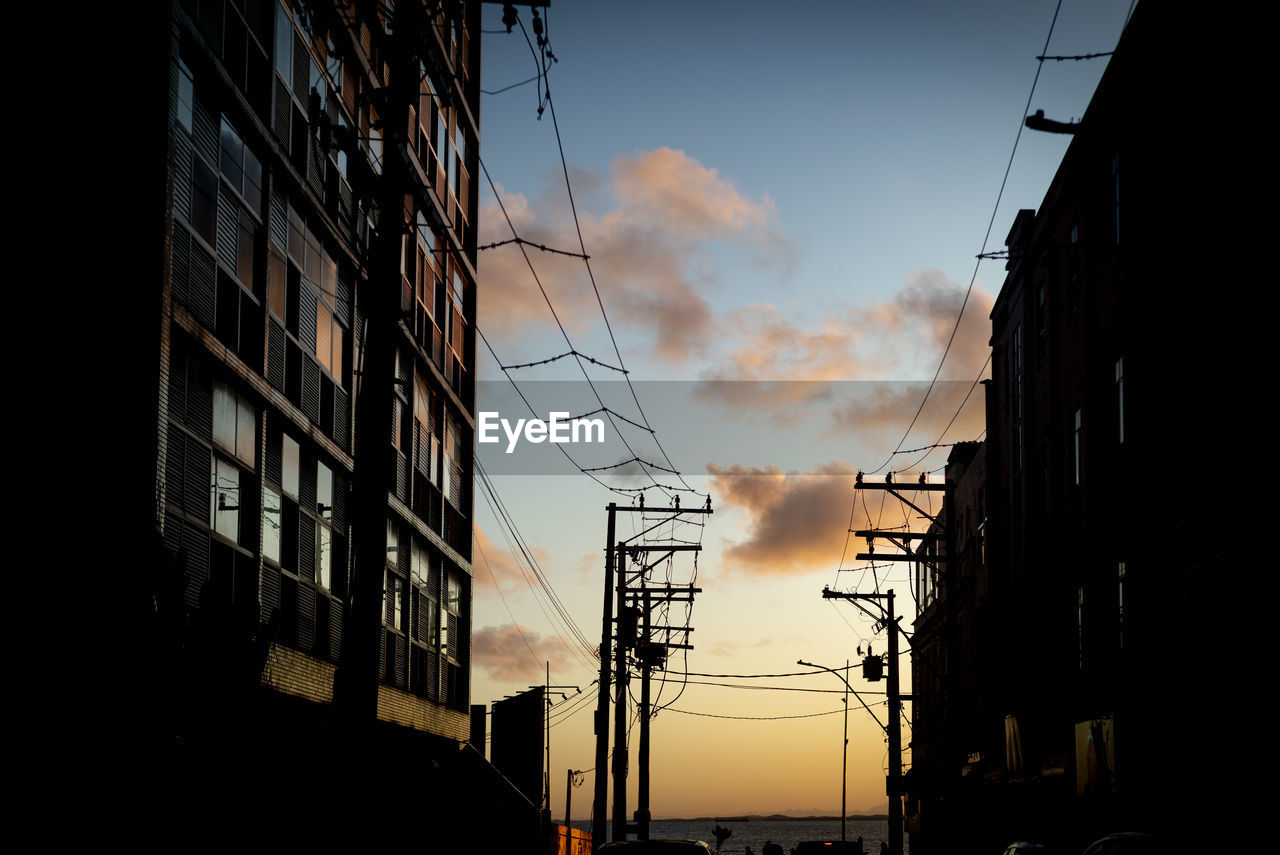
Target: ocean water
[758,832]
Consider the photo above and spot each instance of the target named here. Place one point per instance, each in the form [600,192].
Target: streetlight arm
[847,686]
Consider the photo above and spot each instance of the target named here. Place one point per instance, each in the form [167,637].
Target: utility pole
[356,683]
[893,783]
[937,551]
[546,720]
[844,761]
[601,796]
[621,681]
[627,620]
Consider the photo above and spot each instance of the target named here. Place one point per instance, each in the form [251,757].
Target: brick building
[1065,703]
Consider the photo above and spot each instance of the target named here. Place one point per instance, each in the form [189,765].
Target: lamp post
[844,763]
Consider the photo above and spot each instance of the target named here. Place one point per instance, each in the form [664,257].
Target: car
[1126,843]
[828,847]
[657,847]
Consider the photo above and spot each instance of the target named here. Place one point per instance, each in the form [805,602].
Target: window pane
[277,275]
[399,603]
[418,564]
[246,432]
[393,543]
[335,362]
[324,568]
[324,326]
[226,499]
[186,96]
[232,152]
[271,525]
[224,417]
[444,632]
[290,480]
[204,200]
[455,592]
[284,43]
[252,181]
[324,491]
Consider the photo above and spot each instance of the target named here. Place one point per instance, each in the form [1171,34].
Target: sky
[781,205]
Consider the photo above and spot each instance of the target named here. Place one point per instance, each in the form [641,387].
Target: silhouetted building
[1052,689]
[316,362]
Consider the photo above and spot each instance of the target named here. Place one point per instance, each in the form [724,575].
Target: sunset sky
[782,204]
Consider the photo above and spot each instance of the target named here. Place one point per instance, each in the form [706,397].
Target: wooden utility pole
[621,681]
[602,702]
[616,585]
[356,683]
[941,562]
[893,782]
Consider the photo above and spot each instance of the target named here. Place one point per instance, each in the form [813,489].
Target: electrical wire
[986,237]
[756,717]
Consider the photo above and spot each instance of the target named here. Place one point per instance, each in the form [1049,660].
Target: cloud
[795,519]
[648,251]
[502,567]
[889,407]
[905,334]
[851,368]
[504,652]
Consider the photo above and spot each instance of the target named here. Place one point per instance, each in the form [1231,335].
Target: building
[1114,378]
[308,602]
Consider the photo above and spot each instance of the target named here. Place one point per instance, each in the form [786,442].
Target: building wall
[1113,376]
[276,152]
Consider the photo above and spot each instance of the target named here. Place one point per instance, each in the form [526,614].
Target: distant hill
[773,817]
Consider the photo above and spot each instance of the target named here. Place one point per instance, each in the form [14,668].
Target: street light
[844,763]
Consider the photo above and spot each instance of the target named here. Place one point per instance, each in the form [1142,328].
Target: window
[234,423]
[246,253]
[453,452]
[204,201]
[395,602]
[240,167]
[324,530]
[186,96]
[271,525]
[289,455]
[284,44]
[393,543]
[426,444]
[225,518]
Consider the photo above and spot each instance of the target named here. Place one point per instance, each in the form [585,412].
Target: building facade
[1053,712]
[312,451]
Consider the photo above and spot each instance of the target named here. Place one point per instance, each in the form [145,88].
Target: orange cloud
[645,251]
[502,568]
[510,652]
[795,519]
[903,335]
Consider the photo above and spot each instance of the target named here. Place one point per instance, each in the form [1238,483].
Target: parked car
[656,847]
[1025,847]
[1126,843]
[827,847]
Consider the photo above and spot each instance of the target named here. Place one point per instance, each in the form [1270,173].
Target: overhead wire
[986,237]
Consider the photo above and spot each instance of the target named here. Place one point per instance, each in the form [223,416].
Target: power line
[506,605]
[990,224]
[500,511]
[755,717]
[565,334]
